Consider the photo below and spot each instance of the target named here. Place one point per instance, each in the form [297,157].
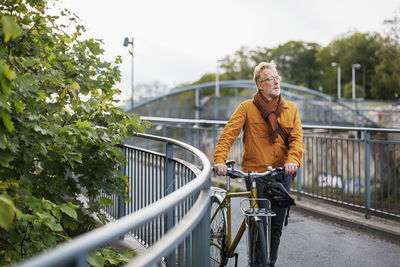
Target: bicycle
[222,247]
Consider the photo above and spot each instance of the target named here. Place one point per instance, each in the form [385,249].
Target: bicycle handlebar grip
[231,173]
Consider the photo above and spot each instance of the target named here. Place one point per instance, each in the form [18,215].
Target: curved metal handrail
[233,83]
[80,246]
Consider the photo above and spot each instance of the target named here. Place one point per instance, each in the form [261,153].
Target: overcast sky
[177,41]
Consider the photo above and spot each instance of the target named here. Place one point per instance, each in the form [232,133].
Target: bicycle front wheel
[258,244]
[218,249]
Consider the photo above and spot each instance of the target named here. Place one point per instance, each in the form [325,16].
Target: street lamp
[126,43]
[217,78]
[353,72]
[335,64]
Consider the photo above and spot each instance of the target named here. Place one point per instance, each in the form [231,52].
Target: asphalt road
[311,241]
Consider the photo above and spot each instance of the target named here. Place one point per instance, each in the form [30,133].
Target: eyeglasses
[271,79]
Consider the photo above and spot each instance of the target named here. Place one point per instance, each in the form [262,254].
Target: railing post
[299,181]
[201,240]
[367,137]
[169,188]
[197,104]
[121,200]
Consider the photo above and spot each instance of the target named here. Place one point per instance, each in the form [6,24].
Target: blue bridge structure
[217,101]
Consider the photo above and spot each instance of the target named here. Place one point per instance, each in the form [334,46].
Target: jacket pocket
[259,129]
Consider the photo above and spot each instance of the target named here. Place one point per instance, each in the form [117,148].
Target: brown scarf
[270,111]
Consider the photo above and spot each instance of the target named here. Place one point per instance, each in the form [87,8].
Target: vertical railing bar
[381,174]
[342,167]
[348,173]
[153,185]
[319,161]
[375,178]
[147,196]
[388,176]
[314,159]
[395,180]
[359,173]
[142,160]
[337,170]
[367,176]
[354,174]
[169,188]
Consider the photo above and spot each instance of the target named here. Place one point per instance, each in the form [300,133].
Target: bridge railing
[167,209]
[356,167]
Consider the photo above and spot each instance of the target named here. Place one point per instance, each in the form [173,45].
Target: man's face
[269,83]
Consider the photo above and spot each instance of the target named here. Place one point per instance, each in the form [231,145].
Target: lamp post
[335,64]
[353,72]
[126,43]
[217,78]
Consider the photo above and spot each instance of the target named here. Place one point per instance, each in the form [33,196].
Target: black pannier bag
[278,195]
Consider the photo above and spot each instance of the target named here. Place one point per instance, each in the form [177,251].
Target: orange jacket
[258,153]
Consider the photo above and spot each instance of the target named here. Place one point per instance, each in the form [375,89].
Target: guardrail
[168,210]
[356,167]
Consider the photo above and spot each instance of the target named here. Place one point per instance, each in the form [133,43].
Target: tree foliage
[59,128]
[310,64]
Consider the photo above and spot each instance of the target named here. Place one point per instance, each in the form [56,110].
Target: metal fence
[355,167]
[167,209]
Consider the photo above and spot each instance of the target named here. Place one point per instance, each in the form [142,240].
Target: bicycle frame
[226,202]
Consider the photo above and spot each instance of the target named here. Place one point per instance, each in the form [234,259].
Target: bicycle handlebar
[236,173]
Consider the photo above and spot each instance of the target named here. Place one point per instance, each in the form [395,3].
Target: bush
[58,117]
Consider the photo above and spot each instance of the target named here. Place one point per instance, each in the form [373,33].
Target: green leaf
[49,221]
[73,157]
[18,105]
[57,213]
[6,212]
[75,86]
[7,122]
[84,124]
[104,201]
[95,259]
[46,204]
[10,27]
[5,158]
[70,211]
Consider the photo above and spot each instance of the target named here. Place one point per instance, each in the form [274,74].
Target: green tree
[349,49]
[386,83]
[297,63]
[59,129]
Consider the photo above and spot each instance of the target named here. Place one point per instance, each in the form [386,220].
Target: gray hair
[260,67]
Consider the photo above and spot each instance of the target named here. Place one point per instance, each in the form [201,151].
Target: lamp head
[126,41]
[356,66]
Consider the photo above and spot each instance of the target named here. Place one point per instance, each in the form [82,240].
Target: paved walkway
[386,228]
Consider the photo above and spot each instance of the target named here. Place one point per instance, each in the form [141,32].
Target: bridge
[217,101]
[354,168]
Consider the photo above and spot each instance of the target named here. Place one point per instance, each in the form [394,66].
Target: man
[272,136]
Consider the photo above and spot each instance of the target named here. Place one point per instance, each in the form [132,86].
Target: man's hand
[290,168]
[220,169]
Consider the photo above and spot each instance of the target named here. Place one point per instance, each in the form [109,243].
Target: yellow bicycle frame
[226,202]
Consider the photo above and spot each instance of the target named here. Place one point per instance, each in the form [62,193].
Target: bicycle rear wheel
[218,254]
[258,244]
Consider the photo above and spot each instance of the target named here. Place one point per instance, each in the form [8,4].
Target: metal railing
[168,209]
[356,167]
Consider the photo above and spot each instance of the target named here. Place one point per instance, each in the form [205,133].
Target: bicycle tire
[218,248]
[258,244]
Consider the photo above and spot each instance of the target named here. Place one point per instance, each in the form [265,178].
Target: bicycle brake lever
[232,174]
